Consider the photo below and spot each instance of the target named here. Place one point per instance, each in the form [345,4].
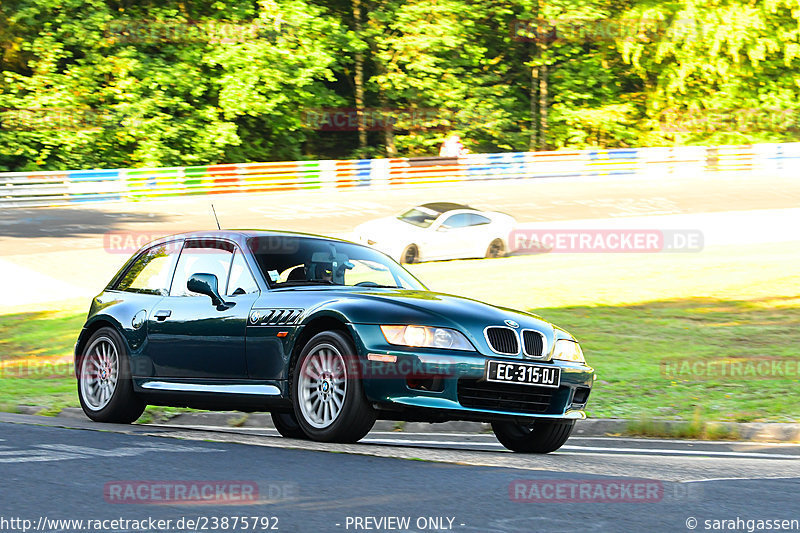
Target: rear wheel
[105,389]
[286,424]
[410,254]
[329,401]
[540,436]
[497,248]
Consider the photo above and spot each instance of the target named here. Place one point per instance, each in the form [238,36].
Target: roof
[443,207]
[239,235]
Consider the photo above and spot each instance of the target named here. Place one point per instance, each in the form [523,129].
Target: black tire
[542,436]
[123,406]
[355,417]
[410,255]
[496,248]
[286,424]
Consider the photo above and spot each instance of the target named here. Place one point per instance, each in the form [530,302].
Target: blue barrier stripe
[90,197]
[93,175]
[155,182]
[622,154]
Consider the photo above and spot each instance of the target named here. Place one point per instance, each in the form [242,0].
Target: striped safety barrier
[18,189]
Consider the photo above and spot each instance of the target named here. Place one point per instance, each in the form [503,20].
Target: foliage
[110,83]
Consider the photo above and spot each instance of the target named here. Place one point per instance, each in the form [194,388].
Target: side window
[150,274]
[457,221]
[241,280]
[478,220]
[202,257]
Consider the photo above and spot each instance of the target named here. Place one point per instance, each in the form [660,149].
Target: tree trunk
[388,140]
[543,107]
[359,81]
[533,143]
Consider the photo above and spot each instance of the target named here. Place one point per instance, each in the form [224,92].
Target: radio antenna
[215,216]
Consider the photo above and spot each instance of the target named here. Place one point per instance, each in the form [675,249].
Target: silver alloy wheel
[99,373]
[322,386]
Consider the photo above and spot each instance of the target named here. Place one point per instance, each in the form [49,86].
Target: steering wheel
[366,284]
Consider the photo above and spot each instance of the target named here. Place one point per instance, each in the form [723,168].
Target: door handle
[162,315]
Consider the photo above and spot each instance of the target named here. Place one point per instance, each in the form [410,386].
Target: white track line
[410,440]
[606,450]
[736,479]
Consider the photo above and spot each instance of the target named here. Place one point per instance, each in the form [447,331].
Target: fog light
[426,382]
[581,395]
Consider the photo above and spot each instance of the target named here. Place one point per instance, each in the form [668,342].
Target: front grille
[503,340]
[533,342]
[504,397]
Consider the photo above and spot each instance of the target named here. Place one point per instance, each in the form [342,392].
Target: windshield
[287,261]
[419,216]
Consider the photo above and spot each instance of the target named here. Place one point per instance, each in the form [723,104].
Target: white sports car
[440,230]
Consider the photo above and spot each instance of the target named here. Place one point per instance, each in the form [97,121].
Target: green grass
[39,334]
[34,352]
[560,280]
[625,343]
[694,429]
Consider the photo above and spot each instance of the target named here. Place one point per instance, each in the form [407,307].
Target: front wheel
[496,248]
[410,255]
[105,389]
[287,426]
[540,436]
[327,393]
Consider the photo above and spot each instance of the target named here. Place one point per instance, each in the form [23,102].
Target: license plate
[523,374]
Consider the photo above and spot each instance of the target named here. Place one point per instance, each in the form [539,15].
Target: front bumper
[459,379]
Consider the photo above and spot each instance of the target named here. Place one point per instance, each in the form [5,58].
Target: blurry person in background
[453,147]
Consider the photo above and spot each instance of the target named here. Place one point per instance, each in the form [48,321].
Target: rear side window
[461,220]
[152,272]
[478,220]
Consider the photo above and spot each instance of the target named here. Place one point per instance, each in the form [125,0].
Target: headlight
[426,337]
[567,350]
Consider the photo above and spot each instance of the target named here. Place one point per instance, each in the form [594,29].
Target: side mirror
[443,228]
[207,284]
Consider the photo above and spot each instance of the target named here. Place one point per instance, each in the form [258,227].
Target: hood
[449,308]
[471,317]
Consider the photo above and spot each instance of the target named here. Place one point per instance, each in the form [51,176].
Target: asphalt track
[49,470]
[66,254]
[58,469]
[339,211]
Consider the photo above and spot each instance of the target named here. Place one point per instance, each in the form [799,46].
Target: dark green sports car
[325,334]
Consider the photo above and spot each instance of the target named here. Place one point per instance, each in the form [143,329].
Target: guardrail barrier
[20,189]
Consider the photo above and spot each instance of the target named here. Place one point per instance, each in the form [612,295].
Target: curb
[593,427]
